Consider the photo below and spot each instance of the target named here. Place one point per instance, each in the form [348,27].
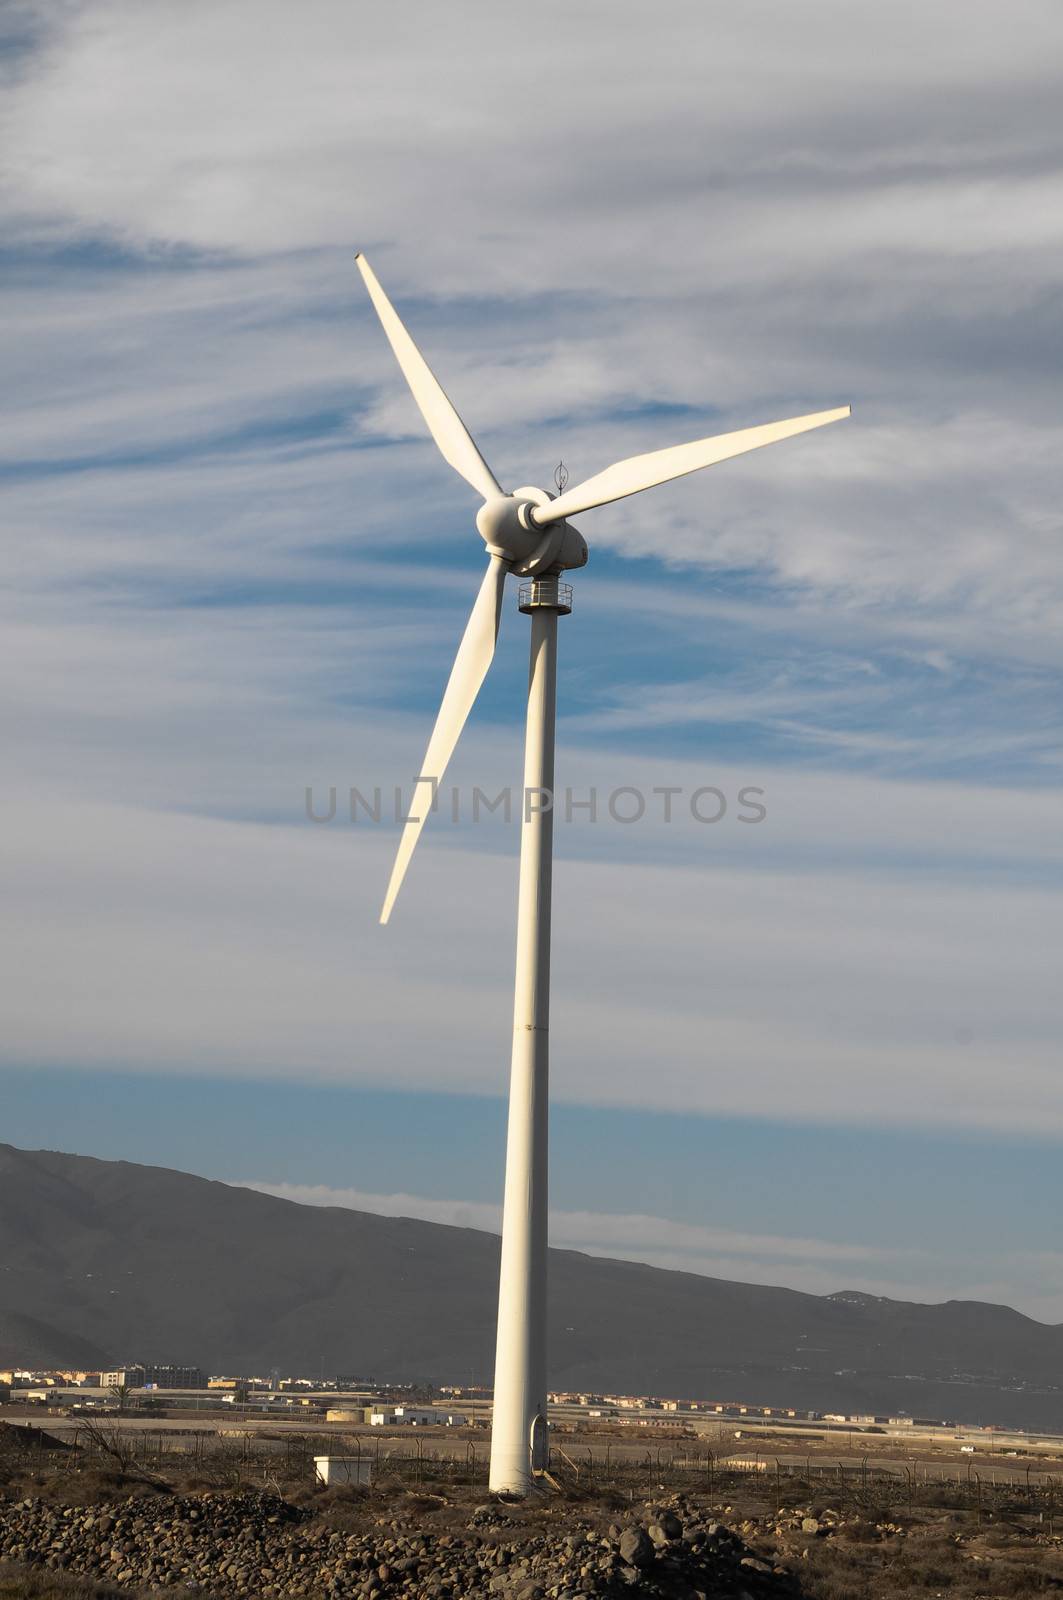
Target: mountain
[103,1262]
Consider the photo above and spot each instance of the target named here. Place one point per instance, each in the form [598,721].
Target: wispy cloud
[821,994]
[1032,1279]
[635,1236]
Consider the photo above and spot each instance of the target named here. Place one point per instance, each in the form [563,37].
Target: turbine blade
[660,466]
[444,424]
[475,654]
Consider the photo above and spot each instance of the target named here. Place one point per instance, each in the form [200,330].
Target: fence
[239,1458]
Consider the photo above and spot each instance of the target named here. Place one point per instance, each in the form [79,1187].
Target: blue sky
[822,1050]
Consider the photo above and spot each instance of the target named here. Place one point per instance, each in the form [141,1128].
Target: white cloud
[339,123]
[862,211]
[218,486]
[178,941]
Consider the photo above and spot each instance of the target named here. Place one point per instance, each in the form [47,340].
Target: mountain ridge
[130,1261]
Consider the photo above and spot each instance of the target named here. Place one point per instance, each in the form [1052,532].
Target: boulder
[636,1548]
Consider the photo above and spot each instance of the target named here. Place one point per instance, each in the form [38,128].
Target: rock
[636,1548]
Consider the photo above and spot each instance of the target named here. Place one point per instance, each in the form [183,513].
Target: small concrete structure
[343,1469]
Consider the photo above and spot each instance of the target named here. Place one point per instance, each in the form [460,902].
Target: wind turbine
[527,533]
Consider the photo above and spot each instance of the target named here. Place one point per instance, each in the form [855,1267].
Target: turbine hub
[506,527]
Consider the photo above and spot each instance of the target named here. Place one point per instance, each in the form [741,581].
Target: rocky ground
[259,1544]
[80,1538]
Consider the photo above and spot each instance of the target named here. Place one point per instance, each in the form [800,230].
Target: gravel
[251,1544]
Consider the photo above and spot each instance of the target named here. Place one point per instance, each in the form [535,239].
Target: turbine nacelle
[507,525]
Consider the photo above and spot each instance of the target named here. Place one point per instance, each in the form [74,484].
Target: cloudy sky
[821,1050]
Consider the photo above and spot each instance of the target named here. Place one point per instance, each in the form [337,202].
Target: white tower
[519,1438]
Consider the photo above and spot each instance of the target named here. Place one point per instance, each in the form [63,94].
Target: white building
[418,1416]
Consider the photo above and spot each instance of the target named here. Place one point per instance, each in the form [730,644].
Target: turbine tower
[527,533]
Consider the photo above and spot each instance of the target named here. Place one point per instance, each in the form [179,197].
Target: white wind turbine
[527,533]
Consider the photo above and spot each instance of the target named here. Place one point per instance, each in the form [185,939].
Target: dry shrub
[999,1534]
[192,1483]
[1024,1579]
[858,1531]
[93,1486]
[916,1570]
[833,1572]
[30,1583]
[419,1504]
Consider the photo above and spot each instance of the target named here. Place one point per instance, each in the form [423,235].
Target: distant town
[170,1391]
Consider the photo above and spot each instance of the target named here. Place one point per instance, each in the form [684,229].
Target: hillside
[104,1261]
